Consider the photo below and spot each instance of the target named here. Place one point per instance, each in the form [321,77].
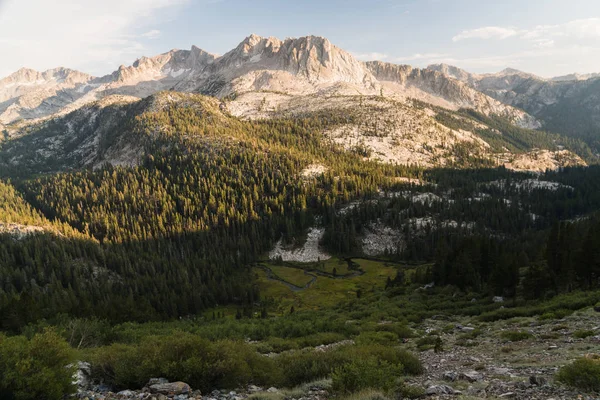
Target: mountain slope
[453,93]
[566,106]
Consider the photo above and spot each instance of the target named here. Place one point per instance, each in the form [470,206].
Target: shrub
[428,342]
[307,365]
[204,365]
[319,339]
[401,330]
[582,334]
[410,392]
[369,373]
[37,368]
[516,336]
[367,394]
[383,338]
[304,366]
[583,374]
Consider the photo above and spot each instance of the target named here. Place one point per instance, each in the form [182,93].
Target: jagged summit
[300,66]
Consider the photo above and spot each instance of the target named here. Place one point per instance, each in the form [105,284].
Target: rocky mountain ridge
[264,78]
[301,66]
[568,105]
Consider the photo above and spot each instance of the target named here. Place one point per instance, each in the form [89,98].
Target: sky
[544,37]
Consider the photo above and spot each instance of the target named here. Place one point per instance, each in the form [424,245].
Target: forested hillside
[175,234]
[205,195]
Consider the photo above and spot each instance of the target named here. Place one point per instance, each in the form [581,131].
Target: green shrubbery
[582,334]
[182,356]
[516,336]
[36,368]
[583,374]
[369,373]
[231,364]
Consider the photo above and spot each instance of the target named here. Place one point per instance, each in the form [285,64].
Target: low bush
[516,336]
[367,394]
[203,364]
[428,343]
[410,392]
[304,366]
[582,334]
[583,374]
[401,330]
[37,368]
[370,373]
[383,338]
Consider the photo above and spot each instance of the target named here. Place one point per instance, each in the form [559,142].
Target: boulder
[498,299]
[126,394]
[81,378]
[537,380]
[450,376]
[441,389]
[470,376]
[254,389]
[172,388]
[157,381]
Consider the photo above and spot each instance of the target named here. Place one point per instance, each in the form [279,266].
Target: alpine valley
[285,221]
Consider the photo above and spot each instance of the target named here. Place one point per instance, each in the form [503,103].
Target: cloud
[577,29]
[94,36]
[519,59]
[153,34]
[370,56]
[488,32]
[420,57]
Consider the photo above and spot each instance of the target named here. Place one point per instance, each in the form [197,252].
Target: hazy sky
[546,37]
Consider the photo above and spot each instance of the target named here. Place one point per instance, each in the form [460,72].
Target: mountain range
[407,108]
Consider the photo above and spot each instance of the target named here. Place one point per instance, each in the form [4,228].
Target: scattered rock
[450,376]
[537,380]
[470,376]
[465,328]
[498,299]
[254,389]
[507,395]
[441,389]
